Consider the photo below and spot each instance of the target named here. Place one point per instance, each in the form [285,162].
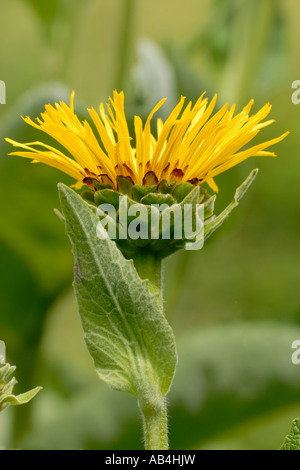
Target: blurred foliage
[234,305]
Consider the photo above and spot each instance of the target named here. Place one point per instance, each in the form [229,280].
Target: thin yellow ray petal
[241,156]
[72,101]
[193,140]
[109,125]
[50,159]
[138,128]
[248,107]
[147,133]
[161,141]
[212,185]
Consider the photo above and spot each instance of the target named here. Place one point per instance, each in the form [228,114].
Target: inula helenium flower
[158,173]
[192,145]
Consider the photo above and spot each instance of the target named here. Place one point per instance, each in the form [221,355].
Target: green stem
[124,43]
[149,266]
[155,427]
[246,48]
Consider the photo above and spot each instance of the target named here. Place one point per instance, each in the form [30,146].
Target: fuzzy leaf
[292,441]
[7,383]
[125,331]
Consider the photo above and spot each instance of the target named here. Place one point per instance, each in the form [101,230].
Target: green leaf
[292,441]
[18,400]
[241,190]
[126,333]
[7,383]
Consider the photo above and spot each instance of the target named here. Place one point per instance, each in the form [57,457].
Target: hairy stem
[149,266]
[155,427]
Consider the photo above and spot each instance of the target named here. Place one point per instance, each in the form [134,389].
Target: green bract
[162,201]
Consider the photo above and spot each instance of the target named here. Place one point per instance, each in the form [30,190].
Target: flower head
[192,145]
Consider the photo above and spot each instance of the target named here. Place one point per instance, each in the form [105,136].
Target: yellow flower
[191,145]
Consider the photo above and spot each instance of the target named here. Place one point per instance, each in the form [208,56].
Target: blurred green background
[235,305]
